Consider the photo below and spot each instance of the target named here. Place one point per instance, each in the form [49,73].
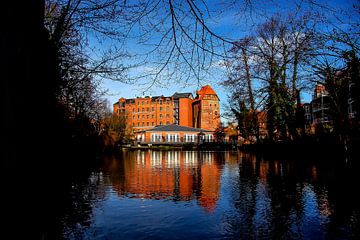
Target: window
[133,109]
[156,137]
[160,109]
[152,124]
[138,116]
[174,137]
[143,109]
[167,115]
[138,109]
[147,102]
[210,104]
[147,124]
[208,138]
[147,109]
[167,109]
[167,123]
[160,123]
[152,116]
[215,105]
[143,116]
[215,113]
[160,115]
[138,124]
[133,124]
[133,116]
[143,103]
[147,116]
[160,102]
[138,103]
[190,138]
[152,109]
[143,123]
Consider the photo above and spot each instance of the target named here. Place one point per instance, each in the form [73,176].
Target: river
[210,195]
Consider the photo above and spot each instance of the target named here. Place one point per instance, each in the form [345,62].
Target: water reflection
[232,195]
[176,175]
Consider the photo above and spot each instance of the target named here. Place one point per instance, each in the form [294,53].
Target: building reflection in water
[176,175]
[260,198]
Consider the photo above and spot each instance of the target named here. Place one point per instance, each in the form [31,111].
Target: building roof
[182,95]
[132,100]
[175,128]
[206,90]
[153,98]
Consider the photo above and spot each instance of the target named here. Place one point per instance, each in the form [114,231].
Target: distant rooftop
[182,95]
[205,90]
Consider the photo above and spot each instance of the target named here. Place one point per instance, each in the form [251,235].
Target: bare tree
[276,51]
[336,66]
[172,36]
[240,83]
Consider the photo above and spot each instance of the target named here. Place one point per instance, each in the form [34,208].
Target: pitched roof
[175,128]
[206,90]
[182,95]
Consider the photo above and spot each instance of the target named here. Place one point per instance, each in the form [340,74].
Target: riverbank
[208,146]
[325,150]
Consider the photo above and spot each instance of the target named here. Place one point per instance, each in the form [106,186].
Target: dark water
[211,195]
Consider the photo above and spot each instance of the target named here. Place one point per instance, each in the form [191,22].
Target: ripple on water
[208,195]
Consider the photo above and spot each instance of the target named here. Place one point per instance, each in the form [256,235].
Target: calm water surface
[210,195]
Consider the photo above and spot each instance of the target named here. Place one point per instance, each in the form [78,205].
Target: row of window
[143,110]
[175,137]
[122,104]
[143,124]
[152,109]
[158,101]
[152,116]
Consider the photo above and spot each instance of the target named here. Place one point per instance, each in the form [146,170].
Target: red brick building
[146,112]
[182,109]
[206,109]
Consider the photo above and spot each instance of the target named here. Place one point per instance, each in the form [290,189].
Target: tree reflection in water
[225,194]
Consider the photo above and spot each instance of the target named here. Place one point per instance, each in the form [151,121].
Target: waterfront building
[174,134]
[144,113]
[320,106]
[206,109]
[324,109]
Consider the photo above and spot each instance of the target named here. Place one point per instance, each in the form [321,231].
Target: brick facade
[206,109]
[143,113]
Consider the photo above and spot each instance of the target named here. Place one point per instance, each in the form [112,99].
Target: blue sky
[231,25]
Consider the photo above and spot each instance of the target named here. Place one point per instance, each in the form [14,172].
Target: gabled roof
[182,95]
[175,128]
[206,90]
